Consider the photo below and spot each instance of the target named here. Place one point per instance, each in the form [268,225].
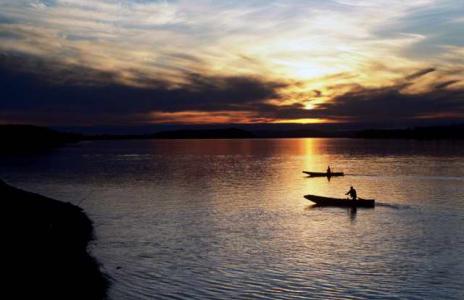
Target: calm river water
[226,219]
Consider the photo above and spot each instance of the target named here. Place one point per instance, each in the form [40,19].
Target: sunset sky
[132,62]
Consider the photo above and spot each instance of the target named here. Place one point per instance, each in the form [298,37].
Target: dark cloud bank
[37,91]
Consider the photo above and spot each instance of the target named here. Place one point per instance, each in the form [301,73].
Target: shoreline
[46,248]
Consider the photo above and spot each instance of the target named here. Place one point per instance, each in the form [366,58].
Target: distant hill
[28,138]
[423,133]
[432,132]
[228,133]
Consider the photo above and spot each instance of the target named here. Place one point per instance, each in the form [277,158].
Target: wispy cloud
[301,45]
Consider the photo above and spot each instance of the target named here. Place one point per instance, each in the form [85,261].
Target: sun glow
[305,121]
[240,61]
[309,106]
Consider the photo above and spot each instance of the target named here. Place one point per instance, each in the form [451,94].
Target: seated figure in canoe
[352,193]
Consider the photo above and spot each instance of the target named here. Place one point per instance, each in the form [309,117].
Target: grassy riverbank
[45,243]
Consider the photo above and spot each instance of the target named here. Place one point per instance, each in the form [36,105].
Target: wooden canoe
[322,174]
[326,201]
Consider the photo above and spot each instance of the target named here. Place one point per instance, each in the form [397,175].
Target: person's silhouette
[352,193]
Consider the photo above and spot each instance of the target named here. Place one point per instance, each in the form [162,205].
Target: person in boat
[328,170]
[352,193]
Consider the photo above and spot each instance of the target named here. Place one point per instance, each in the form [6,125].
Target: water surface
[209,219]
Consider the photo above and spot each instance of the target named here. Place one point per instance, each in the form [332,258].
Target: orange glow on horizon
[194,117]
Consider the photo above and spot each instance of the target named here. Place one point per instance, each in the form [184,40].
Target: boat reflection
[352,212]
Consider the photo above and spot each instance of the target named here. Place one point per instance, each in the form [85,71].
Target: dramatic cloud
[386,105]
[214,100]
[24,93]
[129,61]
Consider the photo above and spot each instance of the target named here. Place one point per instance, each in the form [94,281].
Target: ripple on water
[226,219]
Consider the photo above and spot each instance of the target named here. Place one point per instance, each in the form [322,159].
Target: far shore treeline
[30,138]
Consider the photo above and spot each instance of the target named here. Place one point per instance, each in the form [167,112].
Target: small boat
[323,174]
[326,201]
